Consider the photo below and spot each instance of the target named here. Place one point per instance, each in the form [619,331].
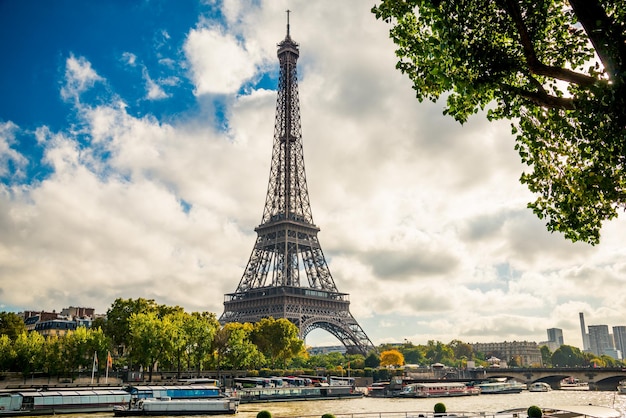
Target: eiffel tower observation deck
[287,249]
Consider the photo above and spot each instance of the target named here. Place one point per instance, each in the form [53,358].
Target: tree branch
[541,98]
[606,37]
[534,65]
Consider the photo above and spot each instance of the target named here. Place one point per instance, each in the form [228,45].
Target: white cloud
[219,63]
[130,58]
[153,90]
[79,76]
[423,221]
[9,155]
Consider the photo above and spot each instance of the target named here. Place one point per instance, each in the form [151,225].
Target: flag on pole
[109,364]
[95,365]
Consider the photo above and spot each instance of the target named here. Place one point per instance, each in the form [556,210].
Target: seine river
[480,403]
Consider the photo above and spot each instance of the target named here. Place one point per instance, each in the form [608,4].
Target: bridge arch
[598,378]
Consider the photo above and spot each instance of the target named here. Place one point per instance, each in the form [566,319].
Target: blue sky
[135,143]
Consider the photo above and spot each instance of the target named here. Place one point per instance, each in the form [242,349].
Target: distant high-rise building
[619,335]
[555,338]
[583,330]
[600,341]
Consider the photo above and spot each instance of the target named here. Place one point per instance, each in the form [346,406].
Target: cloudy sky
[135,145]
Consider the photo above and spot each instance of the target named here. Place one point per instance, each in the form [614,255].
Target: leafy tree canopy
[391,358]
[568,356]
[11,325]
[277,339]
[556,68]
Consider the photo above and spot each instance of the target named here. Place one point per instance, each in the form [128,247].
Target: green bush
[534,412]
[440,408]
[264,414]
[328,416]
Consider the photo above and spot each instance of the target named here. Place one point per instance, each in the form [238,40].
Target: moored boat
[61,401]
[378,390]
[539,387]
[437,390]
[177,400]
[573,384]
[500,387]
[289,393]
[621,387]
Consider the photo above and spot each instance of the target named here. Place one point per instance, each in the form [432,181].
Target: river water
[480,403]
[374,406]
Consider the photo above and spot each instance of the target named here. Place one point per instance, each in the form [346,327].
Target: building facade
[619,337]
[583,331]
[55,327]
[600,341]
[526,353]
[555,338]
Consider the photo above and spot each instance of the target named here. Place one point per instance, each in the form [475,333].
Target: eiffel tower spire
[287,249]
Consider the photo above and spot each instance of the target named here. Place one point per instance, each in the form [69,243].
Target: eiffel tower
[287,247]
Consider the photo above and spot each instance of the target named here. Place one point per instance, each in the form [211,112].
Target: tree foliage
[235,349]
[546,355]
[174,340]
[277,339]
[118,316]
[391,358]
[556,68]
[151,337]
[568,356]
[28,352]
[11,325]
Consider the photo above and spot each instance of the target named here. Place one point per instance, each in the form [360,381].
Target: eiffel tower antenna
[287,249]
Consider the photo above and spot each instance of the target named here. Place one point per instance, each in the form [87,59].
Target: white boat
[621,387]
[573,384]
[539,387]
[61,401]
[437,390]
[322,391]
[500,386]
[177,400]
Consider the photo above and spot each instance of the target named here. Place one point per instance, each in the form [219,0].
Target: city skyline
[134,161]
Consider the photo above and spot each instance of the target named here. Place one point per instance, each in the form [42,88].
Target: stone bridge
[598,378]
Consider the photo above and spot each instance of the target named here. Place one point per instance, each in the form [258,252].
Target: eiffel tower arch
[287,249]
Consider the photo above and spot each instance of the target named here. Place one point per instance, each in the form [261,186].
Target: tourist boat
[378,390]
[539,387]
[437,390]
[573,384]
[177,400]
[53,401]
[621,387]
[500,386]
[322,391]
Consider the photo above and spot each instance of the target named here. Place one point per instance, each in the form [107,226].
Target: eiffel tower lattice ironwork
[287,247]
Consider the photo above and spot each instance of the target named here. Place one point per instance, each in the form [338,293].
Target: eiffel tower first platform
[287,248]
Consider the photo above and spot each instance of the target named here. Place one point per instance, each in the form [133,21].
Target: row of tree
[569,356]
[139,333]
